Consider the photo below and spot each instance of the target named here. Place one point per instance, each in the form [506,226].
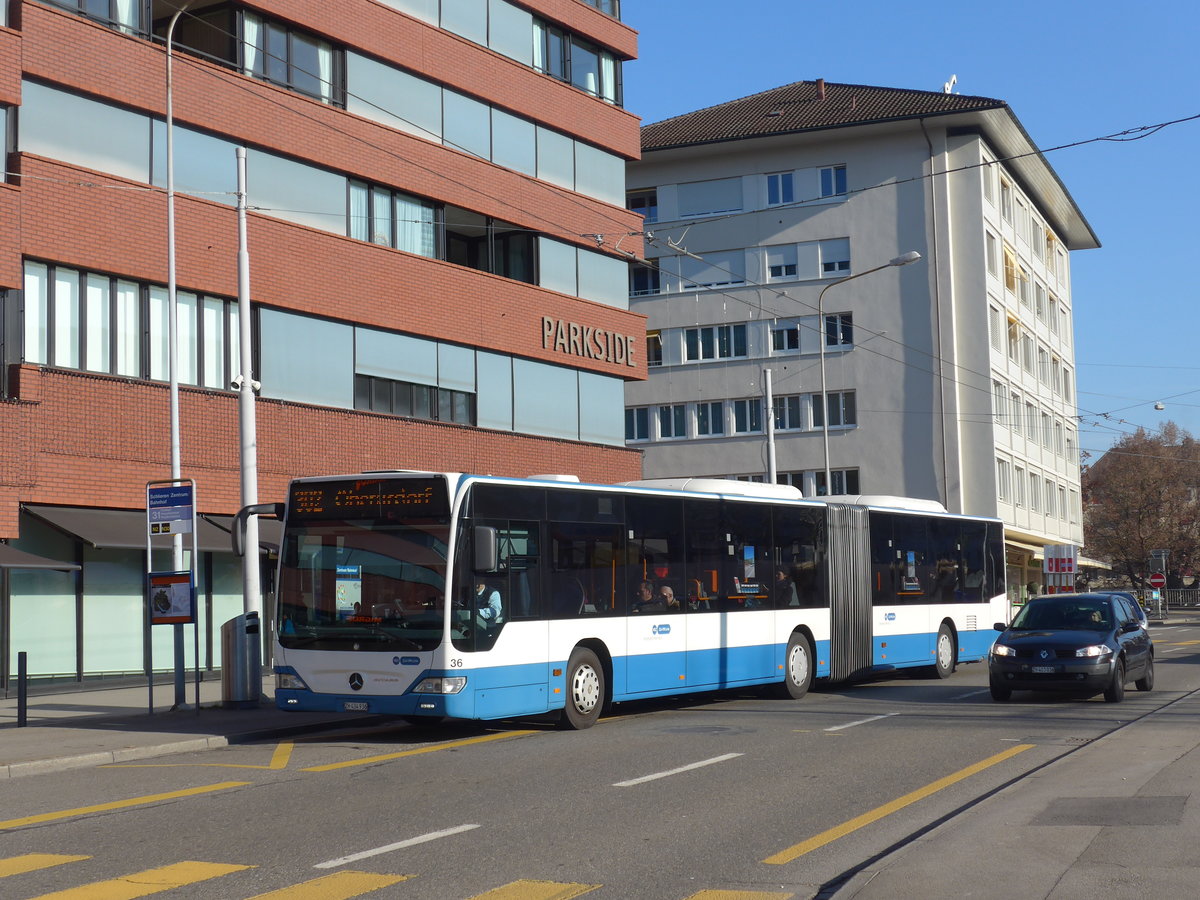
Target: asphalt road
[664,800]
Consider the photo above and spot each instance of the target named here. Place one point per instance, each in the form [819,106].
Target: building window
[637,424]
[1023,286]
[788,415]
[1000,402]
[747,416]
[1010,270]
[654,349]
[1014,340]
[781,262]
[393,219]
[989,179]
[1006,201]
[672,421]
[418,401]
[993,254]
[643,280]
[780,189]
[841,406]
[833,181]
[835,257]
[845,481]
[994,328]
[288,57]
[1050,495]
[710,417]
[839,330]
[1015,412]
[787,338]
[1003,479]
[568,58]
[644,203]
[715,342]
[121,15]
[1018,486]
[1035,492]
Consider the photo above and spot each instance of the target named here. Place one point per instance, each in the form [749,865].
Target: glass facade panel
[129,331]
[214,330]
[394,98]
[185,320]
[99,136]
[66,318]
[467,18]
[97,327]
[397,357]
[514,143]
[456,367]
[556,158]
[204,164]
[604,279]
[510,31]
[40,596]
[466,124]
[113,611]
[307,360]
[558,266]
[36,313]
[600,174]
[296,192]
[601,400]
[545,400]
[494,395]
[425,10]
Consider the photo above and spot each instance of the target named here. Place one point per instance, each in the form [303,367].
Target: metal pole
[173,346]
[770,412]
[251,589]
[22,689]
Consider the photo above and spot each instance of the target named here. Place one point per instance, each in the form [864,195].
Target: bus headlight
[289,681]
[446,685]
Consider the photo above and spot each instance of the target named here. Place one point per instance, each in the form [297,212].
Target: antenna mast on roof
[948,87]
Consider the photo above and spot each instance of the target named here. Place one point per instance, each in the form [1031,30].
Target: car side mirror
[1130,626]
[1000,626]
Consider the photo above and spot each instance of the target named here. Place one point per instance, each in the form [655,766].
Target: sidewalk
[94,727]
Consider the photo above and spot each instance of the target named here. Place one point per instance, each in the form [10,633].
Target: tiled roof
[800,107]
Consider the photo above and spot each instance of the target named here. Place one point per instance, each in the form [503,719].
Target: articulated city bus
[443,594]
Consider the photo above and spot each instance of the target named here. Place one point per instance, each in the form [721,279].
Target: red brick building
[437,246]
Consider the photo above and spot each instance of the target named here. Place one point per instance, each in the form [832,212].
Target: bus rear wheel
[585,690]
[797,668]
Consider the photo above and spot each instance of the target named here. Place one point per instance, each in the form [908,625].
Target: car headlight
[1003,650]
[446,685]
[1093,651]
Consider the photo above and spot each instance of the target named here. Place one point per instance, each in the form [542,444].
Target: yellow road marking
[740,895]
[537,890]
[120,804]
[838,831]
[453,745]
[32,862]
[141,884]
[337,886]
[279,760]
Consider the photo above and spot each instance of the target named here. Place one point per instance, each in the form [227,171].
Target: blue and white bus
[451,595]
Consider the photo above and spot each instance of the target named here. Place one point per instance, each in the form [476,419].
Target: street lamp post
[903,259]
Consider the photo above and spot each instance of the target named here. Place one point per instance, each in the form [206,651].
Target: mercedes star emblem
[356,681]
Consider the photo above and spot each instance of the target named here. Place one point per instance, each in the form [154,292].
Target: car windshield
[1076,615]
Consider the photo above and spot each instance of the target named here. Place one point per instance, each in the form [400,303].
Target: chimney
[821,89]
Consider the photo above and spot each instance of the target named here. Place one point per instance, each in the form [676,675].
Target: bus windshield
[363,584]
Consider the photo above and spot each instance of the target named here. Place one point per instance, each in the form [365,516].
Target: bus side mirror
[238,532]
[487,556]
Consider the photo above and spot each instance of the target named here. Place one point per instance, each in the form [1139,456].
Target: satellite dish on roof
[948,87]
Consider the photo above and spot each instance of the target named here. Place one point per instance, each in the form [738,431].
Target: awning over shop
[1035,550]
[12,558]
[123,529]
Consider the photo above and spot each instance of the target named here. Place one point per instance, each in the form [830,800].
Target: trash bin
[241,661]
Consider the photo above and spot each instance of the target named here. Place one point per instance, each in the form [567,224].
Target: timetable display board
[369,498]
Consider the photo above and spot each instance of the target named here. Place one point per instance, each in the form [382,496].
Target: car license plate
[1043,670]
[355,705]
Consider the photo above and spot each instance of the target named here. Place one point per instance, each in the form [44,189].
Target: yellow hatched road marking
[368,760]
[279,760]
[537,890]
[32,862]
[120,804]
[839,831]
[337,886]
[142,884]
[740,895]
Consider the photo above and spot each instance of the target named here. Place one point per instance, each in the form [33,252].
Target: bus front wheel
[945,653]
[797,668]
[585,690]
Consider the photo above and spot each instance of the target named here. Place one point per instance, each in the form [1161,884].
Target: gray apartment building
[771,224]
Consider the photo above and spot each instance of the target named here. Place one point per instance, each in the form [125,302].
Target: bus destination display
[372,498]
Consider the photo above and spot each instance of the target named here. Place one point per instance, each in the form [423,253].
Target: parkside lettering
[591,343]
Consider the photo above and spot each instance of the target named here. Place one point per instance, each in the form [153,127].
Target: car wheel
[797,668]
[1115,692]
[585,690]
[946,653]
[1000,693]
[1146,682]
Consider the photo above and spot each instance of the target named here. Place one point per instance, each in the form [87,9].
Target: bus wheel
[945,653]
[585,690]
[797,668]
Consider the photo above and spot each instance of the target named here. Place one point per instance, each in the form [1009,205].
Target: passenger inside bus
[645,600]
[670,602]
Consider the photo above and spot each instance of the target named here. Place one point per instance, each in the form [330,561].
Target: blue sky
[1070,71]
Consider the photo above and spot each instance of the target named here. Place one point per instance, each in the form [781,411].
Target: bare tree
[1144,495]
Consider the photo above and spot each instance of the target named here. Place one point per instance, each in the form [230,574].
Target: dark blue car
[1080,643]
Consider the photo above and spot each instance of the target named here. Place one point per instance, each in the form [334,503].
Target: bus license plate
[1043,670]
[354,706]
